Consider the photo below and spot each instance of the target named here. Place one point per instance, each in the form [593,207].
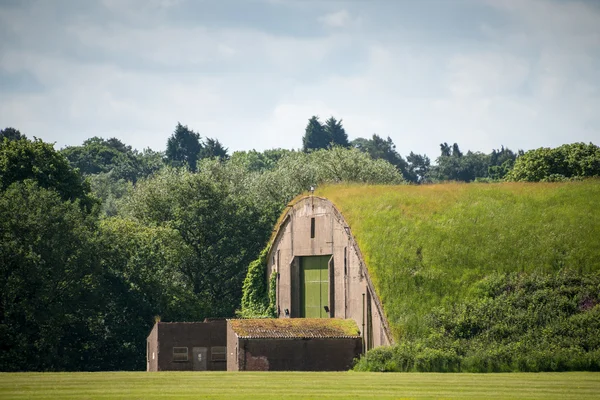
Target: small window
[345,261]
[218,353]
[180,354]
[312,228]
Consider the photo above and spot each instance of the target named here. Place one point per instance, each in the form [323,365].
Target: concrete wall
[348,279]
[152,349]
[306,354]
[233,353]
[166,335]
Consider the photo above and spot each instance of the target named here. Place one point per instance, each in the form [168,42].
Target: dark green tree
[456,151]
[315,136]
[38,161]
[183,148]
[501,162]
[418,167]
[213,148]
[149,162]
[336,133]
[11,134]
[47,281]
[223,230]
[98,155]
[141,279]
[453,165]
[446,150]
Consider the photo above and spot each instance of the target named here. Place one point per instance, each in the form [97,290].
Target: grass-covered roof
[290,328]
[427,246]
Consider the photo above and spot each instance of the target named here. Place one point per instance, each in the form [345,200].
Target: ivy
[258,296]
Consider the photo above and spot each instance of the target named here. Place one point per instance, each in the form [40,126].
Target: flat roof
[291,328]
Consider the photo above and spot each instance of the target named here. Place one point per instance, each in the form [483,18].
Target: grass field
[297,385]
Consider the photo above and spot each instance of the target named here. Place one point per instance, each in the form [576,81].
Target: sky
[519,73]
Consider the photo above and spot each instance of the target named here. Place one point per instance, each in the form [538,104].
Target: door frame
[300,282]
[200,363]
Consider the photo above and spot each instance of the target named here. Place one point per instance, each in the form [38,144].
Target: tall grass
[428,246]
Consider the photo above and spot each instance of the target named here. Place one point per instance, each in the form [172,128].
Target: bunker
[321,272]
[327,308]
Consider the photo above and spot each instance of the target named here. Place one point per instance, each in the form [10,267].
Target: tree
[223,230]
[501,162]
[47,280]
[109,190]
[38,161]
[315,136]
[254,161]
[183,148]
[576,160]
[141,278]
[453,165]
[149,162]
[11,134]
[298,171]
[383,149]
[336,133]
[418,167]
[213,148]
[98,155]
[456,151]
[445,149]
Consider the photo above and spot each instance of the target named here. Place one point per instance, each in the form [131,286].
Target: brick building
[299,344]
[187,346]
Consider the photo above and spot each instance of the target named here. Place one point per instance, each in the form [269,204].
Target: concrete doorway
[314,287]
[199,358]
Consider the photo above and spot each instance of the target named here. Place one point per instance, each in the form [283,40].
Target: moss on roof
[289,328]
[426,246]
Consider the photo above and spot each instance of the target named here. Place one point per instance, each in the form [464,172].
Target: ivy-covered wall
[258,295]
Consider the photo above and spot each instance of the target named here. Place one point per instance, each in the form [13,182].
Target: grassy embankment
[482,277]
[296,385]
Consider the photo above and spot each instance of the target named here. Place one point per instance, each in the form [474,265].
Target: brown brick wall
[297,354]
[166,335]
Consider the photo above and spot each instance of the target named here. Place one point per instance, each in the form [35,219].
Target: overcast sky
[523,74]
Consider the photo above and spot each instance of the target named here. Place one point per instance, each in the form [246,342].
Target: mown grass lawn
[297,385]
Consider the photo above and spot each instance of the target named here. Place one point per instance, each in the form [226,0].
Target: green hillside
[483,276]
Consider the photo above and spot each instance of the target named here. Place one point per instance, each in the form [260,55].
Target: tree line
[100,240]
[570,161]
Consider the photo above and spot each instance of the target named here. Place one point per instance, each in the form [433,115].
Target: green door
[314,286]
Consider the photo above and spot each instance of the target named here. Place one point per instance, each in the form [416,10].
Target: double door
[314,287]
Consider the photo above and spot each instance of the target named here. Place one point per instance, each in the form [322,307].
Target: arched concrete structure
[312,230]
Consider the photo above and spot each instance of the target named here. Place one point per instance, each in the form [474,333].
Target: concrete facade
[314,227]
[187,346]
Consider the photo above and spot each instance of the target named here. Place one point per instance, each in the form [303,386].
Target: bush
[569,161]
[514,322]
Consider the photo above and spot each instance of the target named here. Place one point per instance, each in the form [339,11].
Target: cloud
[338,19]
[487,73]
[523,74]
